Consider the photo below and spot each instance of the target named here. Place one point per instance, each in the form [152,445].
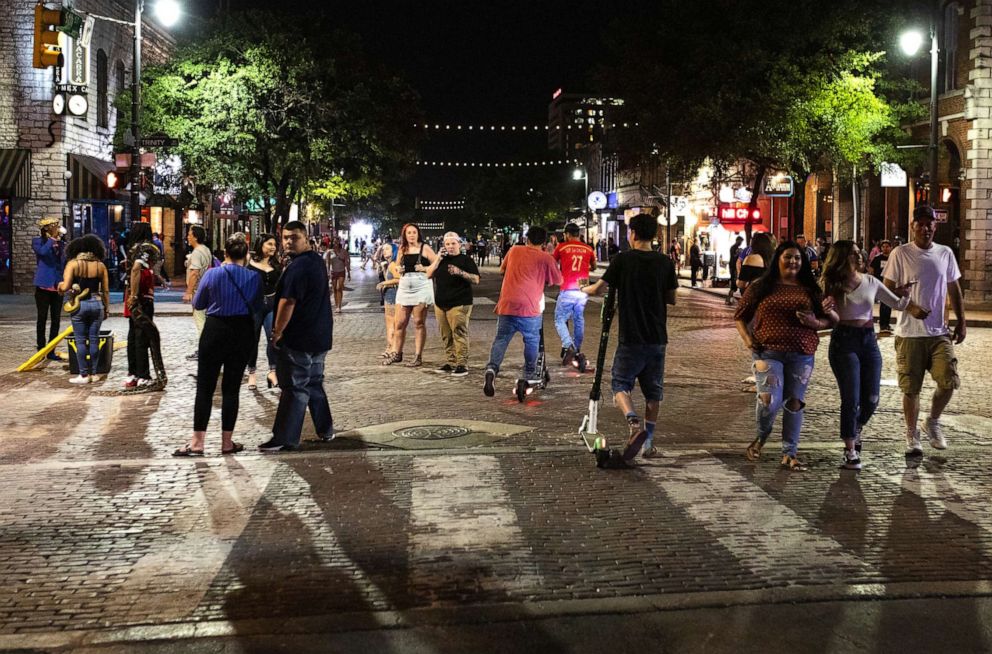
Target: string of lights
[499,164]
[440,203]
[454,208]
[439,127]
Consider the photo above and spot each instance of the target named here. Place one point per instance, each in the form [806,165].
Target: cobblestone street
[106,539]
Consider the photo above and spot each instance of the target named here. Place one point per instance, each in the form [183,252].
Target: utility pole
[136,115]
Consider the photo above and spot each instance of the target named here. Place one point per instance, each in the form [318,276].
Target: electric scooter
[542,377]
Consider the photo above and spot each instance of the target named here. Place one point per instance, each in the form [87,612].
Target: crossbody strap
[238,289]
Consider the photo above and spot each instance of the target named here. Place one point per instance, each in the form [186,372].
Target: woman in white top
[854,355]
[414,294]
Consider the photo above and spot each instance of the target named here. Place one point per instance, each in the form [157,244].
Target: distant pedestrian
[49,252]
[87,271]
[854,356]
[338,267]
[877,269]
[646,284]
[754,261]
[732,265]
[575,260]
[527,271]
[199,261]
[932,273]
[675,253]
[811,253]
[695,261]
[778,319]
[161,272]
[453,274]
[231,297]
[387,287]
[414,294]
[265,262]
[302,334]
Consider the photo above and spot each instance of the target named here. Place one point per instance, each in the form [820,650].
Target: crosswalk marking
[462,518]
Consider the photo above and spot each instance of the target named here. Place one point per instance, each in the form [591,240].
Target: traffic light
[46,36]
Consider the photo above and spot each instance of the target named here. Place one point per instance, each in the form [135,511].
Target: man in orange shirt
[575,259]
[527,269]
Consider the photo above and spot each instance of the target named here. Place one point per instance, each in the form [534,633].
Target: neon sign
[737,213]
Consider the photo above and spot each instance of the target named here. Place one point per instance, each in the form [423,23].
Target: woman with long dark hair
[264,261]
[413,295]
[778,319]
[755,260]
[231,296]
[86,272]
[139,307]
[854,356]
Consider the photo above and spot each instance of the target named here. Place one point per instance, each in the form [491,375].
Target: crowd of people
[791,292]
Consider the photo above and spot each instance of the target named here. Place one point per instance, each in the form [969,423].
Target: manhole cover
[432,432]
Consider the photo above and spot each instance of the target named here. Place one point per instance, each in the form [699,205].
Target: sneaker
[931,427]
[569,356]
[651,453]
[459,371]
[445,369]
[143,382]
[489,387]
[80,379]
[884,332]
[852,461]
[51,356]
[913,446]
[131,382]
[857,438]
[325,438]
[271,447]
[194,356]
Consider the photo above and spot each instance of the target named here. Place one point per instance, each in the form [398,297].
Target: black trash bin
[105,357]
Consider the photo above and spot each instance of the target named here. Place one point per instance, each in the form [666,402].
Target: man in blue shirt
[49,251]
[302,333]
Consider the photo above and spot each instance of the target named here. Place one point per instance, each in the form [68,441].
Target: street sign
[680,205]
[893,176]
[597,200]
[940,215]
[72,23]
[778,185]
[76,89]
[158,141]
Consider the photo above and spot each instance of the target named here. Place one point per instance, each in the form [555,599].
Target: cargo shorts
[917,356]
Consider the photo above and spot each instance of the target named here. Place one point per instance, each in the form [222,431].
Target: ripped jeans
[857,365]
[781,377]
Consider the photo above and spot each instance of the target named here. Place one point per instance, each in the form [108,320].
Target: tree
[281,111]
[509,198]
[795,86]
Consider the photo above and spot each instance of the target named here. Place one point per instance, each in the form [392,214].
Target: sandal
[753,451]
[792,464]
[187,450]
[252,382]
[235,448]
[416,363]
[395,357]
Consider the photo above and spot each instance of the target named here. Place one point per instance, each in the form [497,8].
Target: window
[119,76]
[102,108]
[950,46]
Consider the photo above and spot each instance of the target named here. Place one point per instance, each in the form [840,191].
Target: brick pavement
[100,528]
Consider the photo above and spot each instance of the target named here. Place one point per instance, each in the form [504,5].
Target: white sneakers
[931,428]
[79,379]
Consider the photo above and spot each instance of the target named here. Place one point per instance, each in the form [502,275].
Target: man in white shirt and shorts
[924,346]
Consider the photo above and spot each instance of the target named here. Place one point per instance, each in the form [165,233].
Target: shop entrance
[6,262]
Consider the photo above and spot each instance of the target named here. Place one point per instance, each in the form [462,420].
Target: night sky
[477,62]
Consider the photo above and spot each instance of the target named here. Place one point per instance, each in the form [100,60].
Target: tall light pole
[577,174]
[911,42]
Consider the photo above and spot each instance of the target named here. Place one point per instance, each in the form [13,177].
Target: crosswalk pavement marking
[763,534]
[462,518]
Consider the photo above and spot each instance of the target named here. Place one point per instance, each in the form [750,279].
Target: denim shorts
[642,363]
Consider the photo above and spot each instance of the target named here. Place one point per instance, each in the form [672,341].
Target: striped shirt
[218,291]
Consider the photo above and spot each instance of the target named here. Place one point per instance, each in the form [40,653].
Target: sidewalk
[167,302]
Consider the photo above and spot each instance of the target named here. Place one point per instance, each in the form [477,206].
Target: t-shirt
[575,259]
[311,327]
[934,268]
[450,290]
[528,271]
[878,265]
[859,303]
[776,326]
[200,258]
[642,280]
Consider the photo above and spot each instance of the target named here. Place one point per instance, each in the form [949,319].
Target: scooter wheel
[521,390]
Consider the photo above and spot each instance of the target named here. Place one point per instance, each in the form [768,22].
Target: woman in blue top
[231,295]
[49,252]
[86,270]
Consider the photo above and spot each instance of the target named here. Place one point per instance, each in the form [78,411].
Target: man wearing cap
[928,273]
[575,259]
[49,251]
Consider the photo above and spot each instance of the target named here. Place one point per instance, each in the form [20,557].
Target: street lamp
[577,174]
[911,42]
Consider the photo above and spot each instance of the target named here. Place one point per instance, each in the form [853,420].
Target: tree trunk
[759,179]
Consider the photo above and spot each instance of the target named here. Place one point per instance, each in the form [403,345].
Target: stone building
[55,164]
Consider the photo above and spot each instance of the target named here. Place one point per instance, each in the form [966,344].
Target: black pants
[224,343]
[138,344]
[695,271]
[884,316]
[49,305]
[733,281]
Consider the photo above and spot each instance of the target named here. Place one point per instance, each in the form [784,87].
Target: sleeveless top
[91,283]
[410,261]
[269,277]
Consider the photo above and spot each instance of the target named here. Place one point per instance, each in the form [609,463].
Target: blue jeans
[301,378]
[86,326]
[263,320]
[506,327]
[857,365]
[571,306]
[781,377]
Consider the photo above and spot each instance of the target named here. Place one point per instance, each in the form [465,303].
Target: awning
[88,181]
[15,173]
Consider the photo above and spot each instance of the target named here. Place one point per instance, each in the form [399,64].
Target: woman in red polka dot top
[778,319]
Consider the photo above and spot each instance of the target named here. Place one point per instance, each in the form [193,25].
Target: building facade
[54,158]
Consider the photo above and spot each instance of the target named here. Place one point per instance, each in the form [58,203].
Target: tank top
[91,283]
[410,261]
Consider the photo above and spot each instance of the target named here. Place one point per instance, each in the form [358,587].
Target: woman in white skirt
[413,295]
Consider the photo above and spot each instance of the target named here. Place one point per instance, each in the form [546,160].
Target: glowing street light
[910,42]
[168,12]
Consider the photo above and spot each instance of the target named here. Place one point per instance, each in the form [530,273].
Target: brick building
[55,165]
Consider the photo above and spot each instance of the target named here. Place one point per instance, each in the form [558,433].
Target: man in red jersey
[575,259]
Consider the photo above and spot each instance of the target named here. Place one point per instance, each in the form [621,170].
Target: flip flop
[235,448]
[186,450]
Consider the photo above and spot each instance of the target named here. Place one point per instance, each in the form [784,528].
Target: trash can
[105,356]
